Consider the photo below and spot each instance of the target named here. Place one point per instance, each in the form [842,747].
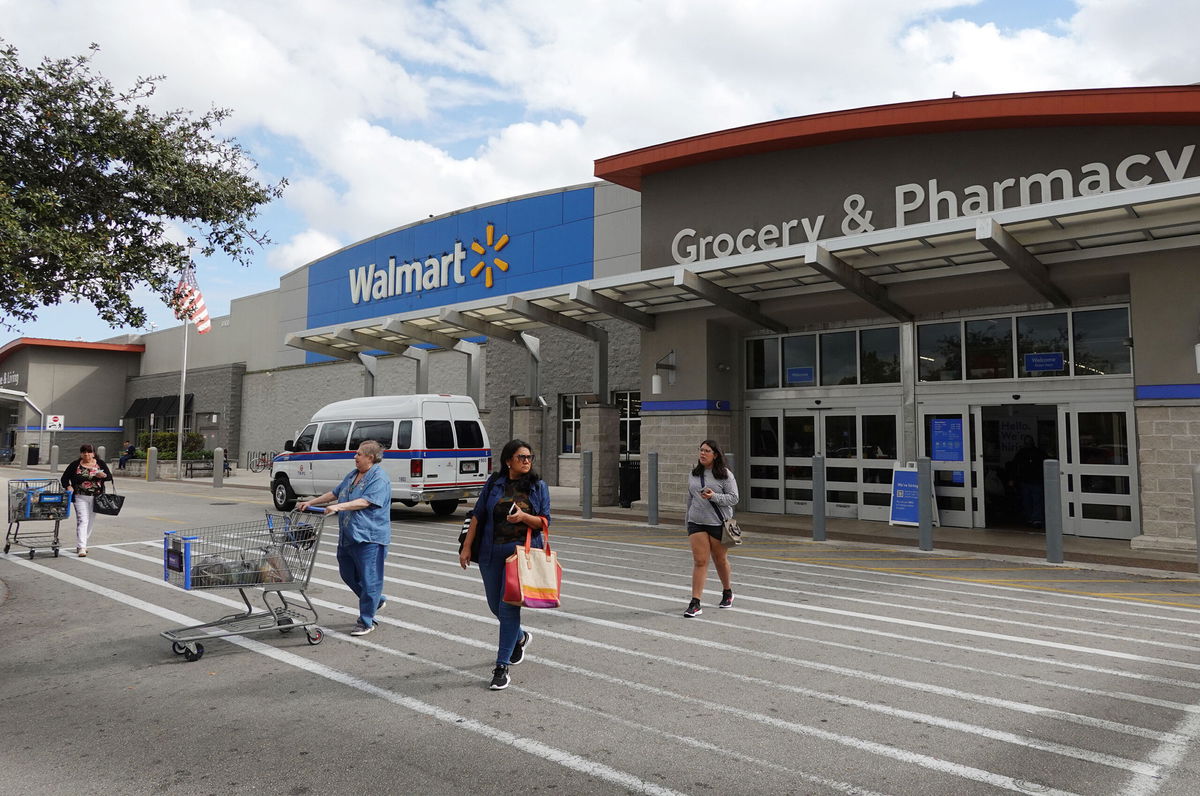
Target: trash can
[629,483]
[35,453]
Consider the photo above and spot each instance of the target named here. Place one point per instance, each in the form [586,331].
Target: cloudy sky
[382,113]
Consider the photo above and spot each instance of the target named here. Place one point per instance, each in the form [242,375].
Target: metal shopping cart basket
[36,500]
[275,554]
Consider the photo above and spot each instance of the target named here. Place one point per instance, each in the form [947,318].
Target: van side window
[438,434]
[404,438]
[378,430]
[470,435]
[304,442]
[333,436]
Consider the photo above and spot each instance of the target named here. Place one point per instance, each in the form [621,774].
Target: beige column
[599,433]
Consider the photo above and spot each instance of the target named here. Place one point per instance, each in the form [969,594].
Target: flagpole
[182,407]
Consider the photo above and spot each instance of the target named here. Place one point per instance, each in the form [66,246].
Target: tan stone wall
[1168,449]
[599,433]
[676,436]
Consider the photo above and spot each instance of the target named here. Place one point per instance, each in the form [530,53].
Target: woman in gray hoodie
[712,494]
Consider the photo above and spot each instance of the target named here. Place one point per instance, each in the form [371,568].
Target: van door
[332,460]
[471,466]
[441,460]
[297,463]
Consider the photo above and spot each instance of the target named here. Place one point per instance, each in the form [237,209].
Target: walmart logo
[497,246]
[372,283]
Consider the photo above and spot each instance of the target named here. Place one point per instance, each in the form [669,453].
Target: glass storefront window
[839,360]
[841,437]
[879,355]
[1042,342]
[989,349]
[939,351]
[1103,438]
[762,363]
[1100,342]
[800,360]
[879,436]
[764,437]
[799,436]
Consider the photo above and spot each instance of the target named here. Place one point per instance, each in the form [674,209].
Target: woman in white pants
[84,478]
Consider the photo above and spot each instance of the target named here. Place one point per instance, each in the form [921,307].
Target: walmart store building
[942,278]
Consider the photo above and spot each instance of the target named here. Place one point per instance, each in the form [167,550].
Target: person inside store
[1026,475]
[363,505]
[712,494]
[83,479]
[127,453]
[514,499]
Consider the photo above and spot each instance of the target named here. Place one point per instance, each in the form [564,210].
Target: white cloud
[302,248]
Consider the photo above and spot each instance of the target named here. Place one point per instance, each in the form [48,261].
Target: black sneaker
[519,650]
[361,630]
[382,604]
[499,678]
[693,609]
[726,599]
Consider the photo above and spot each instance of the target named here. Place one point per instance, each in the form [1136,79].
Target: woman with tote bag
[712,494]
[84,478]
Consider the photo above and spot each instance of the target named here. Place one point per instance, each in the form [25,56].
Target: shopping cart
[275,554]
[36,500]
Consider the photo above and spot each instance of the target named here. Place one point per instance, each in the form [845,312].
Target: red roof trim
[22,342]
[1142,106]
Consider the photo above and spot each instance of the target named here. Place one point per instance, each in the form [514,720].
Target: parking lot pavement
[840,668]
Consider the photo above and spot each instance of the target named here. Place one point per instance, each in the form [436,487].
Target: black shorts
[712,530]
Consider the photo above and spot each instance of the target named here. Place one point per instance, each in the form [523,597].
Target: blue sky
[381,113]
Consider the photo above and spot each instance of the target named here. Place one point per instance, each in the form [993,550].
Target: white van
[435,450]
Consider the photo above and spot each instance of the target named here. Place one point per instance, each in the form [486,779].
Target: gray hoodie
[725,495]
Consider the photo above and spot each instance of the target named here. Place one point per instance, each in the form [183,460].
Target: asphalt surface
[841,668]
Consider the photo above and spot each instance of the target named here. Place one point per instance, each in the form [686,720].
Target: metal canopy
[1029,241]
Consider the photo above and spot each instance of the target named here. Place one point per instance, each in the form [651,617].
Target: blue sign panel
[800,376]
[1044,363]
[904,498]
[946,435]
[501,249]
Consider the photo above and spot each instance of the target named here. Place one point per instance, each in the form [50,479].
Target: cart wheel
[286,620]
[315,636]
[178,648]
[192,657]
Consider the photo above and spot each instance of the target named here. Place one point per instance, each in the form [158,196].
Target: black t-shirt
[504,531]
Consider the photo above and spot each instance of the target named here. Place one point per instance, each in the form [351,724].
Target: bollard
[152,463]
[652,488]
[585,485]
[818,497]
[101,453]
[1196,510]
[1052,488]
[54,458]
[218,468]
[925,500]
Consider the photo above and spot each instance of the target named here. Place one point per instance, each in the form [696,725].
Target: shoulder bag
[532,577]
[731,532]
[108,502]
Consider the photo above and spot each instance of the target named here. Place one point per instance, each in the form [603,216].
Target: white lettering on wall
[371,283]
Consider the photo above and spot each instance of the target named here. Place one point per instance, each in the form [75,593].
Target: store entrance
[1016,439]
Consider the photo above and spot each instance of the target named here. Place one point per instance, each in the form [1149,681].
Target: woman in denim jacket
[515,498]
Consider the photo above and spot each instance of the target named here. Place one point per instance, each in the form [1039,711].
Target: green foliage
[166,442]
[91,180]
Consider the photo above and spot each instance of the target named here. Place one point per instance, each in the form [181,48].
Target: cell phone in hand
[515,508]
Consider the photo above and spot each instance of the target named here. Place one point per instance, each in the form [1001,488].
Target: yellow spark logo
[496,245]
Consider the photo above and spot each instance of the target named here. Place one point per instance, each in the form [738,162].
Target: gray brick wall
[676,436]
[1168,449]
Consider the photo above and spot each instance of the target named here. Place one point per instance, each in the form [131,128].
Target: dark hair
[718,466]
[86,448]
[510,450]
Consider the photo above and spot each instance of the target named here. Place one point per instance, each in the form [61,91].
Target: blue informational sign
[1044,363]
[904,497]
[800,376]
[947,439]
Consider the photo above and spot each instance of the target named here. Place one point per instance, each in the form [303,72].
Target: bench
[195,467]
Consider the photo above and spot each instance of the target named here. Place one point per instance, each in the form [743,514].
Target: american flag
[191,302]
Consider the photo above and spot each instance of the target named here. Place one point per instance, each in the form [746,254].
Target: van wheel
[282,494]
[409,503]
[443,508]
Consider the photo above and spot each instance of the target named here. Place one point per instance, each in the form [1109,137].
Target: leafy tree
[91,181]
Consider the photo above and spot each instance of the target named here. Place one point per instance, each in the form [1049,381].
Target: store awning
[1027,241]
[160,406]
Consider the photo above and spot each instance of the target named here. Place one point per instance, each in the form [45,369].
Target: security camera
[1016,397]
[542,402]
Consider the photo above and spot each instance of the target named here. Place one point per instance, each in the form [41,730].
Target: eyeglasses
[706,450]
[524,457]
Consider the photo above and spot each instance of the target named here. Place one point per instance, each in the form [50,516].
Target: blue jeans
[509,615]
[361,568]
[1033,502]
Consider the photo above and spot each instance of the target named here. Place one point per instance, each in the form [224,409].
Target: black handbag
[108,503]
